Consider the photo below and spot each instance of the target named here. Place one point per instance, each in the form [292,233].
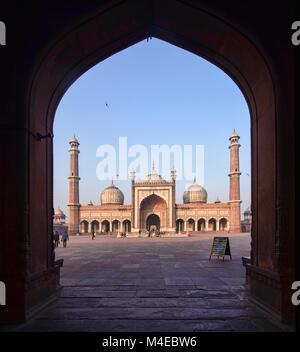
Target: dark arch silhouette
[244,42]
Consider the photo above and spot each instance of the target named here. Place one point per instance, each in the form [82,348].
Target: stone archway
[105,226]
[201,225]
[156,207]
[84,226]
[190,225]
[127,226]
[223,224]
[153,223]
[212,224]
[95,226]
[179,225]
[247,50]
[115,226]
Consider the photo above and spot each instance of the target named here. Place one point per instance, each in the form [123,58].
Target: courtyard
[152,285]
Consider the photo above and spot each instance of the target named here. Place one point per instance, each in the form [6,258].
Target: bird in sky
[106,104]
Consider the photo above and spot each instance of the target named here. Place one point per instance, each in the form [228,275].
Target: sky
[151,94]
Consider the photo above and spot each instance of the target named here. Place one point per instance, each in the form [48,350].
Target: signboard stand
[220,247]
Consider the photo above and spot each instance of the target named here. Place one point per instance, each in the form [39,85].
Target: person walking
[65,238]
[56,239]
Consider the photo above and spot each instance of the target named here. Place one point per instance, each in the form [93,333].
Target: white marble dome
[195,194]
[112,195]
[153,176]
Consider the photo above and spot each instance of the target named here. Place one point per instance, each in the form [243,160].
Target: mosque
[153,204]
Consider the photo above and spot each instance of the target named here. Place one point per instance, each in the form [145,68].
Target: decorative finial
[173,174]
[132,173]
[152,164]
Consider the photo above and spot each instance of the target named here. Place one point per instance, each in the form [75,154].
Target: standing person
[65,238]
[56,239]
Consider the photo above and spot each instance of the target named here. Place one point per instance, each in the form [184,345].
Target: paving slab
[152,284]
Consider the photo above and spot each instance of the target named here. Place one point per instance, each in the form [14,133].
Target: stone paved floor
[152,284]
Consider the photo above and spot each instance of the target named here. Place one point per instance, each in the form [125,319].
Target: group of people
[154,233]
[64,238]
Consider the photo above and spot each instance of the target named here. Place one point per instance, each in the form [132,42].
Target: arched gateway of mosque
[153,212]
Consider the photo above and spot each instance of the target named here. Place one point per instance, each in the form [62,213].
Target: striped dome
[195,194]
[112,195]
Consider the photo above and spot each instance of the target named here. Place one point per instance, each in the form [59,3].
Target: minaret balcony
[74,178]
[234,144]
[232,173]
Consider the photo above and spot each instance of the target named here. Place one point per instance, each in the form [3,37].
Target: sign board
[220,247]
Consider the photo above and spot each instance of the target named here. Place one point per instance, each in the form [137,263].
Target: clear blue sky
[157,94]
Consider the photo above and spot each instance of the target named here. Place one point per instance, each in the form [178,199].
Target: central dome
[112,195]
[153,176]
[195,194]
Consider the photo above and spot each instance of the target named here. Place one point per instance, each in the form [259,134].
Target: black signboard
[220,247]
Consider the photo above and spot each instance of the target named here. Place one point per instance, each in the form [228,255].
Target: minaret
[234,192]
[74,206]
[173,176]
[132,173]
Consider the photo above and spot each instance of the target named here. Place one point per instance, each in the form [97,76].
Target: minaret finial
[173,174]
[132,173]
